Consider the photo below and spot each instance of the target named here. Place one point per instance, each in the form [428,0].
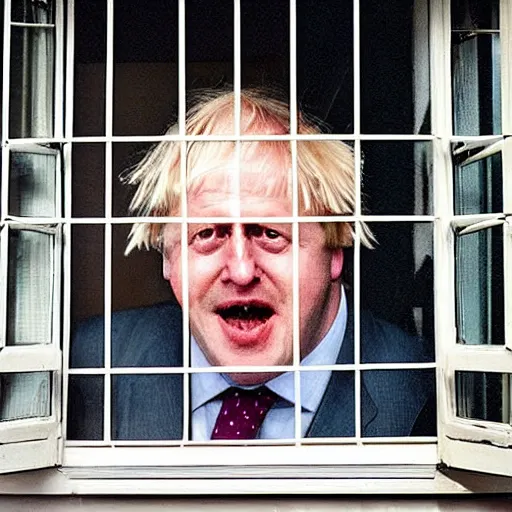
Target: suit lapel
[335,416]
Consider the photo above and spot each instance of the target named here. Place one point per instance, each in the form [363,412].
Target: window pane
[32,186]
[475,14]
[29,11]
[30,287]
[479,278]
[397,178]
[24,395]
[85,407]
[160,394]
[397,288]
[393,388]
[395,90]
[478,185]
[32,82]
[476,83]
[145,68]
[88,161]
[90,70]
[484,396]
[88,292]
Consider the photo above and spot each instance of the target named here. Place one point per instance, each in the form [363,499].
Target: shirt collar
[206,386]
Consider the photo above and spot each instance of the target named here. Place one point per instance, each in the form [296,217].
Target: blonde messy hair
[325,168]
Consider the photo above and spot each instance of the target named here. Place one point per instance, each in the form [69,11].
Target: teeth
[246,309]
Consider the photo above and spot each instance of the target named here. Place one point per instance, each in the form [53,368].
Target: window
[420,90]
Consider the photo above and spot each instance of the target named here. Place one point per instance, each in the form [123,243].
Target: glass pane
[325,64]
[397,178]
[405,402]
[209,44]
[480,296]
[145,68]
[395,91]
[32,186]
[88,196]
[32,82]
[30,11]
[478,185]
[24,395]
[87,295]
[30,287]
[484,396]
[476,84]
[397,291]
[85,407]
[90,69]
[265,39]
[147,407]
[475,14]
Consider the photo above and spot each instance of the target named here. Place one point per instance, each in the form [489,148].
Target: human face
[240,274]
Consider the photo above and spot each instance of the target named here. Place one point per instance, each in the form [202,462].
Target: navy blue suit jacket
[149,406]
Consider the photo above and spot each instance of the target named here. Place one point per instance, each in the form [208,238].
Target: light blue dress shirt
[280,420]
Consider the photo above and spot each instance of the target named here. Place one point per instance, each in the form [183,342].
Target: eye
[269,239]
[208,239]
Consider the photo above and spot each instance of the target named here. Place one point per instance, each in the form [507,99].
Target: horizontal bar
[31,25]
[248,369]
[13,221]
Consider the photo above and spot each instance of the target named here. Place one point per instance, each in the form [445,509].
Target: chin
[251,379]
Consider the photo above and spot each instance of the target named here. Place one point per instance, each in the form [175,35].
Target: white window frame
[379,465]
[33,442]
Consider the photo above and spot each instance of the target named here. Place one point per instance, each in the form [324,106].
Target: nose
[240,267]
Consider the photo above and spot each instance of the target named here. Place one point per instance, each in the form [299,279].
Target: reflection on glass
[484,396]
[30,287]
[32,81]
[30,11]
[85,407]
[32,185]
[475,14]
[391,389]
[147,407]
[476,83]
[479,278]
[397,178]
[24,395]
[478,185]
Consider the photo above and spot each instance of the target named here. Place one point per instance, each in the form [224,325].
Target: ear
[336,263]
[166,268]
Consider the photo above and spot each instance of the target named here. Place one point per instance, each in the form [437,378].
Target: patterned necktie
[242,413]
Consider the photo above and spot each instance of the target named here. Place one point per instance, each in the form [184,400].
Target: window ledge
[57,481]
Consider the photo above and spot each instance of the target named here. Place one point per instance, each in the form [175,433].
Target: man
[240,296]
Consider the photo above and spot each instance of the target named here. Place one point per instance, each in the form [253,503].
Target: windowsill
[58,481]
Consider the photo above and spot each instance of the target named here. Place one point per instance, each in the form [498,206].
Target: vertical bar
[295,225]
[237,86]
[182,107]
[444,291]
[58,96]
[506,123]
[357,213]
[109,87]
[68,184]
[4,184]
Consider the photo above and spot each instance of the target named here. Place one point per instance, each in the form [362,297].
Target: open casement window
[30,355]
[476,406]
[30,244]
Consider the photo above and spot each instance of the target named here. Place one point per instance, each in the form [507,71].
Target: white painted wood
[29,455]
[30,358]
[251,455]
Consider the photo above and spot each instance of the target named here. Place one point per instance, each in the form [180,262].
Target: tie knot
[242,413]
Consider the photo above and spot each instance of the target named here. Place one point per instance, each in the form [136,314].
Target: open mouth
[245,316]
